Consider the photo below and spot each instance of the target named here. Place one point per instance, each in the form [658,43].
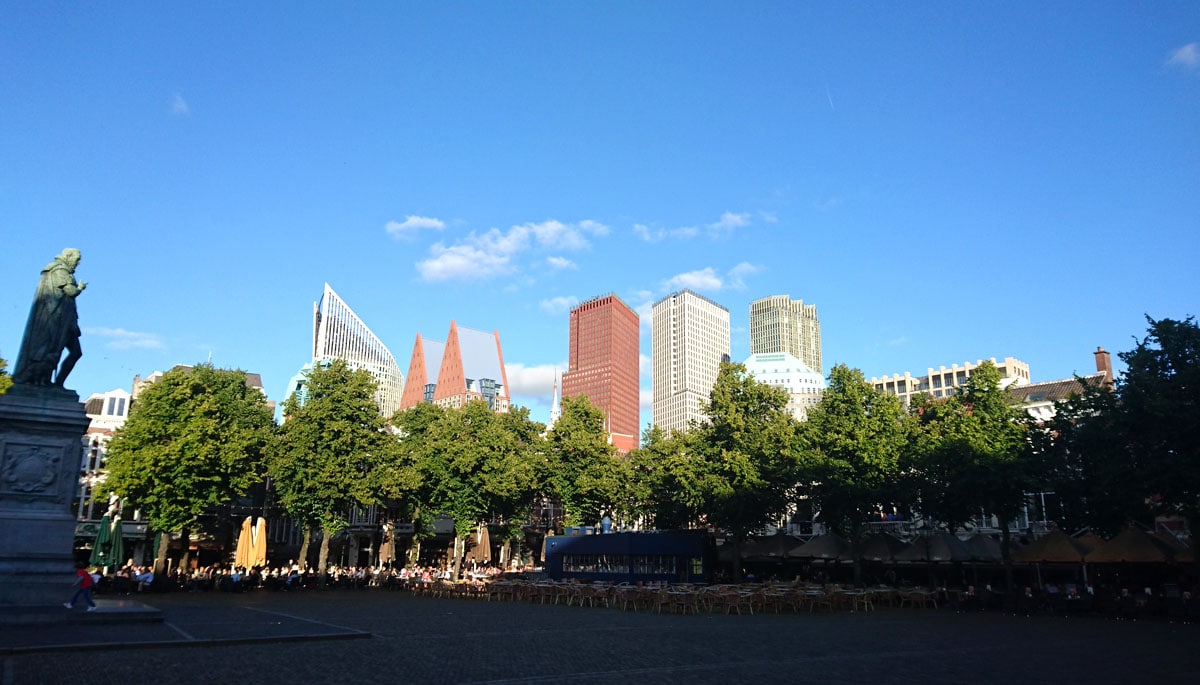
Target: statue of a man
[53,325]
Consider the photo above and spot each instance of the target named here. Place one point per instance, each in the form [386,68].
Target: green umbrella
[116,543]
[101,550]
[154,549]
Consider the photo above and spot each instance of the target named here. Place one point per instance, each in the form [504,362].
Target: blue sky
[946,181]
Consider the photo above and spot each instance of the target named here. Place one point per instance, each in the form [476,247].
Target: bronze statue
[53,325]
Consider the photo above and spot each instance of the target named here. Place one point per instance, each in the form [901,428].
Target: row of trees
[200,437]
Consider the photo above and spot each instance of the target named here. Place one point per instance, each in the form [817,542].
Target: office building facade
[603,365]
[689,340]
[781,324]
[944,382]
[338,333]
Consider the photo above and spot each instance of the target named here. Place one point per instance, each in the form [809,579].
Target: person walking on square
[83,578]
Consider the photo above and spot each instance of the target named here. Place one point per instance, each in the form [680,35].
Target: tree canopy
[195,439]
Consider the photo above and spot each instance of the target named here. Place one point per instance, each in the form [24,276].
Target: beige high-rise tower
[781,324]
[690,339]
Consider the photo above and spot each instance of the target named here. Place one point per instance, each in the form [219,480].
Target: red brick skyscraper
[603,364]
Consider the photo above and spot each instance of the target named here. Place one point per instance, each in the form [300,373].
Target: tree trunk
[323,558]
[506,555]
[160,560]
[855,547]
[185,541]
[1005,555]
[455,563]
[737,559]
[303,558]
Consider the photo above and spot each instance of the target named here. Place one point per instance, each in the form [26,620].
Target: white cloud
[412,224]
[477,256]
[462,262]
[121,339]
[559,305]
[561,263]
[645,365]
[535,382]
[894,342]
[654,235]
[728,222]
[646,400]
[1187,56]
[738,274]
[179,106]
[702,279]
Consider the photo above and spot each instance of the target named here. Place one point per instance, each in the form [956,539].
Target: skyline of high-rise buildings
[690,338]
[603,364]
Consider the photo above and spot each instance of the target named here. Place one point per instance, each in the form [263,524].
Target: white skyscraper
[338,333]
[690,340]
[781,324]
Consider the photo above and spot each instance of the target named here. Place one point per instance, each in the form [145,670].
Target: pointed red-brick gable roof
[452,379]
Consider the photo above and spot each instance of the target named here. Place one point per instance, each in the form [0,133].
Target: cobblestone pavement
[419,640]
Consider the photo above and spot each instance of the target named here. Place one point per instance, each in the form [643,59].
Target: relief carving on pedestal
[30,469]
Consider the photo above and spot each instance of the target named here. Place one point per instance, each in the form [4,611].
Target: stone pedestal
[41,448]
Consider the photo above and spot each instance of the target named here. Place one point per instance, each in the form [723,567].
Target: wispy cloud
[412,224]
[558,305]
[654,235]
[179,106]
[645,365]
[895,342]
[482,256]
[561,263]
[533,382]
[1187,56]
[728,222]
[646,400]
[738,274]
[121,339]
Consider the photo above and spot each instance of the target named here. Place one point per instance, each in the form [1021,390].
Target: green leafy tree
[194,441]
[974,455]
[580,465]
[662,481]
[1159,413]
[474,464]
[1090,468]
[5,379]
[330,450]
[748,463]
[852,446]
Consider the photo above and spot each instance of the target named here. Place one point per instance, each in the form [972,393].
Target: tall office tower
[468,366]
[781,324]
[603,365]
[338,333]
[690,339]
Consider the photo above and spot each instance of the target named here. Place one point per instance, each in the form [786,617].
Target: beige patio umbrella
[260,544]
[245,545]
[387,545]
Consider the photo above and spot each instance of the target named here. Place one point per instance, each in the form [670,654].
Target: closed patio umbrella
[245,545]
[101,549]
[116,543]
[387,545]
[260,543]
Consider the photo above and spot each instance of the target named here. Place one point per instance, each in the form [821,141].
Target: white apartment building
[690,339]
[782,370]
[942,382]
[781,324]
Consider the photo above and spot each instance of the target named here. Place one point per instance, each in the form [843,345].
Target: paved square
[414,639]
